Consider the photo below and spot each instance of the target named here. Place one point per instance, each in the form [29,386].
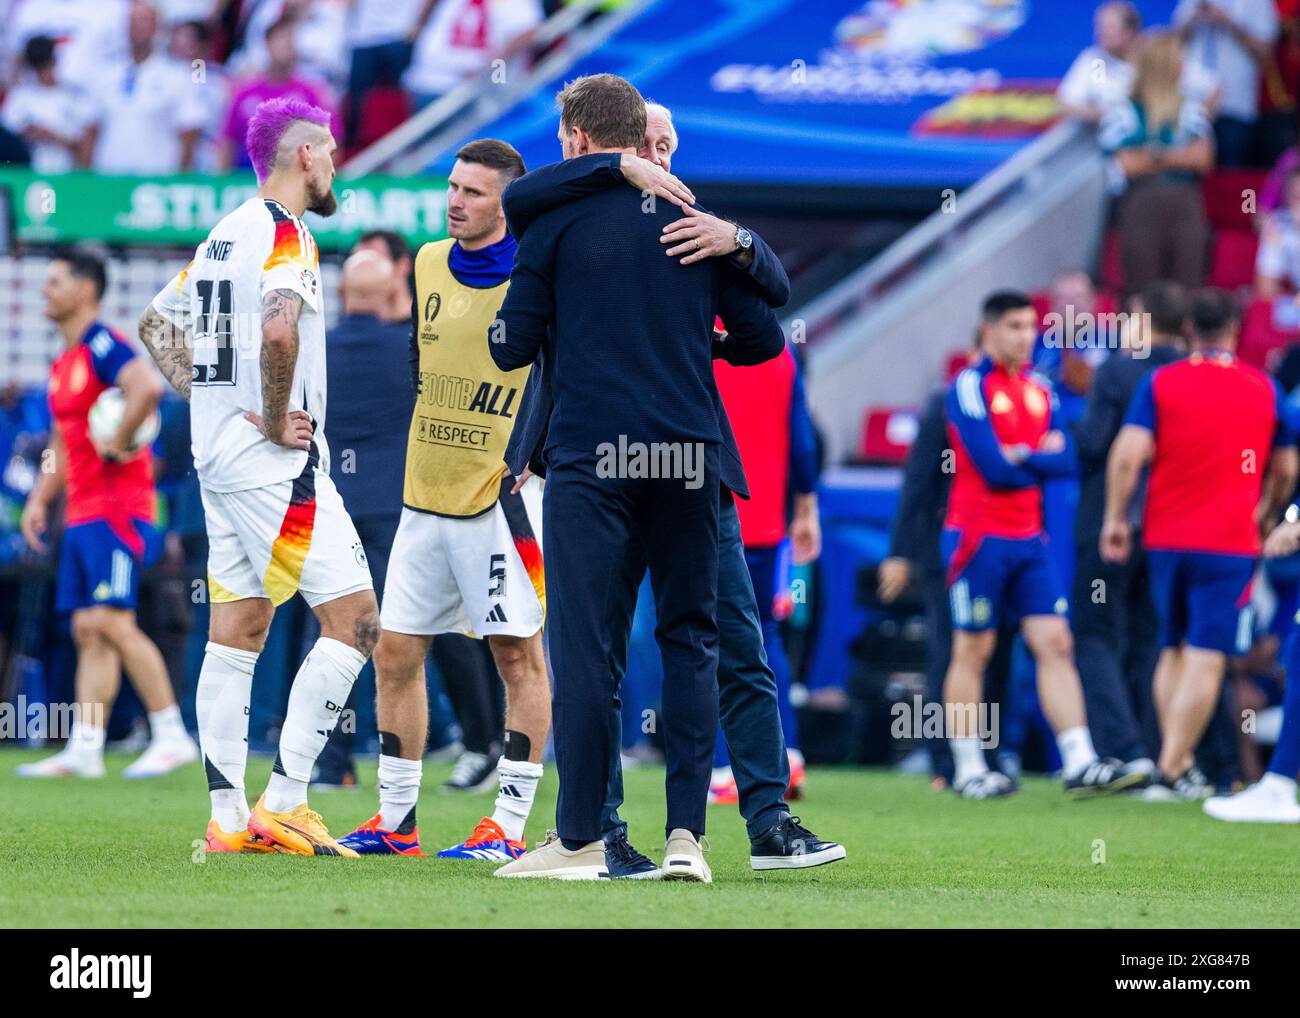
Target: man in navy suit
[751,722]
[632,455]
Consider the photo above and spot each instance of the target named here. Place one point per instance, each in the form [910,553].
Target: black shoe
[625,863]
[1104,776]
[472,772]
[788,845]
[1188,787]
[987,785]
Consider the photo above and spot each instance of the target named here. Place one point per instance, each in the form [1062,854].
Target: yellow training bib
[466,405]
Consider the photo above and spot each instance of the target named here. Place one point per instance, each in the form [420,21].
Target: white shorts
[286,537]
[480,576]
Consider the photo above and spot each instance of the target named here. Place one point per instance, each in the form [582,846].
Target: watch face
[743,236]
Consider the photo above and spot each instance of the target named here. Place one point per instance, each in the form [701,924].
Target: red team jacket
[97,490]
[990,407]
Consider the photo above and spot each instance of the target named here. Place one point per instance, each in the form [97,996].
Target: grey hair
[668,115]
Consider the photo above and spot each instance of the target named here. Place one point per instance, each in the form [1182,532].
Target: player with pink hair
[240,333]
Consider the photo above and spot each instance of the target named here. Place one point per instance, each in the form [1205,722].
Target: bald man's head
[366,284]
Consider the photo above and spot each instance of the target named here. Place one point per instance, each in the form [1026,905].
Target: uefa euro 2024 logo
[917,29]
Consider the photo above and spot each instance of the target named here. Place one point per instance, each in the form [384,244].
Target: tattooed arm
[171,348]
[280,311]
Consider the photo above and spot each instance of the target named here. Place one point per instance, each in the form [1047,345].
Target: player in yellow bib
[467,556]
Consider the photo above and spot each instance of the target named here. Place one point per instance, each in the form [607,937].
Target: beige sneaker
[684,858]
[551,859]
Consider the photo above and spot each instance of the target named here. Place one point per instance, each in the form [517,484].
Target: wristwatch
[744,239]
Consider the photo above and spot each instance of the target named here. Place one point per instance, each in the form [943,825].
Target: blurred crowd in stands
[136,87]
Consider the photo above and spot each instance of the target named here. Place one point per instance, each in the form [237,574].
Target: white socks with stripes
[517,786]
[320,689]
[221,702]
[1076,749]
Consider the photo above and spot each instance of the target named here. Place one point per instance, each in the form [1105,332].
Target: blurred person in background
[1234,39]
[368,418]
[108,536]
[393,246]
[1102,74]
[1067,365]
[1162,144]
[281,78]
[462,37]
[1007,441]
[1273,798]
[149,113]
[1277,262]
[320,35]
[88,34]
[774,432]
[46,113]
[1112,614]
[382,34]
[191,48]
[914,561]
[1216,480]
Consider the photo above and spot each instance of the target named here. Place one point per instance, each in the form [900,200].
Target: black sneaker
[788,845]
[1189,787]
[625,863]
[472,772]
[987,785]
[1102,777]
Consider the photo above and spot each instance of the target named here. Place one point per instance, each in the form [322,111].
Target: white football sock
[1278,786]
[320,689]
[968,760]
[221,703]
[1076,749]
[166,725]
[399,789]
[85,741]
[517,786]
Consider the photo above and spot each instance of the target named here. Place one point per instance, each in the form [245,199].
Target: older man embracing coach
[627,333]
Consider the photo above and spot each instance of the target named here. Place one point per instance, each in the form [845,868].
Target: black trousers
[747,702]
[1115,639]
[591,525]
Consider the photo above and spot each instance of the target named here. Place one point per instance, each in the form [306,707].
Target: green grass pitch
[116,853]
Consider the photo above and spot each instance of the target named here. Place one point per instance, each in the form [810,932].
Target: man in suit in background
[633,462]
[370,405]
[1115,631]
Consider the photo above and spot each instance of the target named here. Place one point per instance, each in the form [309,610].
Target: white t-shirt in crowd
[1219,51]
[60,108]
[89,34]
[462,36]
[143,109]
[320,37]
[1279,249]
[375,22]
[1098,80]
[176,12]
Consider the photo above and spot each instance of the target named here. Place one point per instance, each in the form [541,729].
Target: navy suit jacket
[549,187]
[625,331]
[369,405]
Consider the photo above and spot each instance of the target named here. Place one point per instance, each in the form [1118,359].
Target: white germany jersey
[259,247]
